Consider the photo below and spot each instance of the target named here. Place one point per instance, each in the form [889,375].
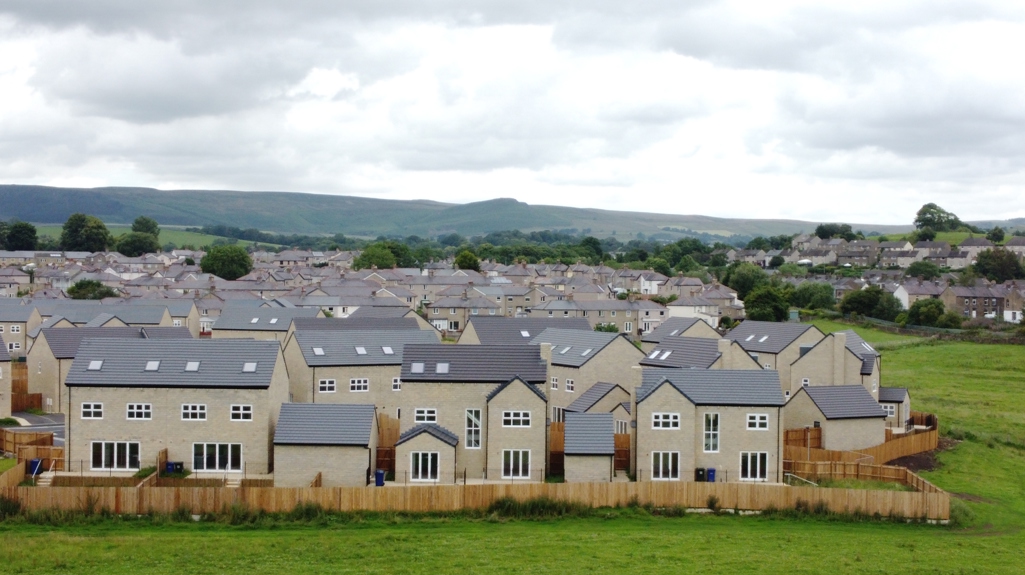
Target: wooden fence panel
[11,440]
[804,437]
[53,457]
[557,436]
[13,476]
[386,458]
[387,430]
[26,401]
[19,377]
[622,456]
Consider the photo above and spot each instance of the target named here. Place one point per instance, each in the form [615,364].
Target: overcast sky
[857,112]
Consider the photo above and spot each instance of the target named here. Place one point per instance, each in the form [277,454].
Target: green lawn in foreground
[872,336]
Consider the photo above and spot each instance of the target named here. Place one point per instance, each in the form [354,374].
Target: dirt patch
[973,498]
[925,461]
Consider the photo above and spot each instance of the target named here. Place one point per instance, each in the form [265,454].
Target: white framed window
[217,457]
[327,386]
[15,329]
[12,346]
[140,411]
[665,465]
[425,415]
[622,427]
[570,385]
[613,313]
[628,326]
[805,382]
[558,414]
[754,465]
[1,329]
[665,421]
[768,366]
[711,433]
[515,419]
[473,429]
[359,384]
[516,463]
[423,466]
[241,412]
[92,411]
[437,311]
[451,311]
[115,455]
[555,383]
[890,409]
[396,384]
[176,322]
[758,421]
[194,411]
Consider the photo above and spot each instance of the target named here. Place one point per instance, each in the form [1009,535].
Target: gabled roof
[671,327]
[589,434]
[344,347]
[494,392]
[261,319]
[861,348]
[222,363]
[432,429]
[892,394]
[354,323]
[377,312]
[684,352]
[64,341]
[473,363]
[844,401]
[590,397]
[754,387]
[324,424]
[510,330]
[573,347]
[767,336]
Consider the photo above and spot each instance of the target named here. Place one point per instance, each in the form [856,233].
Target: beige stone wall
[786,358]
[469,336]
[734,357]
[648,440]
[380,386]
[20,336]
[426,442]
[339,465]
[611,400]
[240,334]
[616,363]
[831,363]
[516,397]
[588,468]
[837,434]
[43,374]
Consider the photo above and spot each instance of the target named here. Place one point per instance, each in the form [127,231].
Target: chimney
[723,346]
[546,353]
[839,355]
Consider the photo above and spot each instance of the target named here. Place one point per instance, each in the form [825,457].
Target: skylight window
[565,349]
[674,332]
[587,351]
[192,366]
[442,367]
[96,365]
[416,367]
[750,337]
[764,337]
[274,320]
[360,350]
[249,367]
[254,320]
[525,333]
[665,355]
[318,351]
[387,350]
[152,365]
[654,354]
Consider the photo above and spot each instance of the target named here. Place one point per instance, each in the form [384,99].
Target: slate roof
[4,354]
[324,424]
[508,330]
[64,341]
[844,401]
[355,322]
[16,313]
[756,387]
[475,363]
[589,434]
[499,389]
[432,429]
[681,352]
[671,327]
[339,347]
[267,318]
[862,349]
[129,314]
[892,394]
[574,347]
[590,397]
[221,363]
[378,312]
[767,336]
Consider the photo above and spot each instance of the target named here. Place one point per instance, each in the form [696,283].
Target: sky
[840,111]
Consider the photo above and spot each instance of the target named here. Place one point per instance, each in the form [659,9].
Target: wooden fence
[14,476]
[885,452]
[622,455]
[741,496]
[557,436]
[11,440]
[53,457]
[859,471]
[94,481]
[804,437]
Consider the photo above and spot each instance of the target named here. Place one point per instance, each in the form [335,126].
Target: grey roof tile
[267,318]
[494,392]
[572,347]
[684,352]
[354,322]
[892,394]
[756,387]
[64,341]
[509,330]
[590,397]
[432,429]
[474,363]
[339,347]
[844,401]
[324,424]
[767,336]
[589,434]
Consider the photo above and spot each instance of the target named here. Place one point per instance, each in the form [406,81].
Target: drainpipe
[779,431]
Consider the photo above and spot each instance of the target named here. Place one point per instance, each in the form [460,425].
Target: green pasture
[872,336]
[175,236]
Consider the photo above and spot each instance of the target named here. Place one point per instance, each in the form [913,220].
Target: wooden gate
[387,437]
[803,437]
[21,399]
[622,458]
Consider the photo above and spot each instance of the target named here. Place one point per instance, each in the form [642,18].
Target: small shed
[896,402]
[337,440]
[849,416]
[590,447]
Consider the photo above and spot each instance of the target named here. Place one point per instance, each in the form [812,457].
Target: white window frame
[712,425]
[555,384]
[396,384]
[15,329]
[558,414]
[665,465]
[123,463]
[241,412]
[218,464]
[570,385]
[359,384]
[92,410]
[628,326]
[473,428]
[890,409]
[516,418]
[515,464]
[757,472]
[417,469]
[327,386]
[176,323]
[660,420]
[139,411]
[13,346]
[758,422]
[193,412]
[425,415]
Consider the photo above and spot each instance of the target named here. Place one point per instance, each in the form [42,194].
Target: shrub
[537,508]
[713,504]
[9,507]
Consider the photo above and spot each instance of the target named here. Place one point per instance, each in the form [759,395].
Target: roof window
[565,349]
[254,320]
[674,332]
[442,367]
[273,320]
[318,351]
[249,367]
[587,351]
[654,354]
[387,350]
[750,337]
[360,350]
[95,365]
[665,355]
[152,365]
[192,366]
[764,337]
[416,367]
[525,333]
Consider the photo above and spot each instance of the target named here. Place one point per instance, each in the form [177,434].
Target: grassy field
[7,463]
[952,238]
[872,336]
[977,391]
[175,236]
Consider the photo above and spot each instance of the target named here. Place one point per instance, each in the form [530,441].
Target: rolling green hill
[304,213]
